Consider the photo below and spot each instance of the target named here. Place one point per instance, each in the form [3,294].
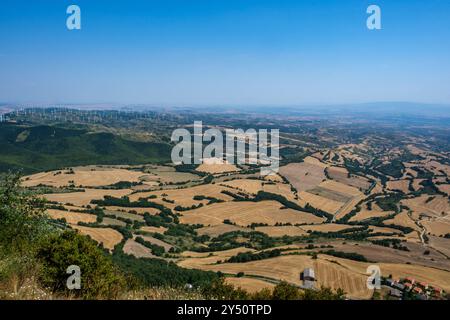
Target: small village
[410,289]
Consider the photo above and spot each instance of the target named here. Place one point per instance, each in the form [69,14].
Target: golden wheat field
[319,202]
[402,219]
[367,214]
[402,185]
[438,228]
[184,196]
[437,206]
[136,249]
[246,213]
[279,231]
[303,176]
[72,217]
[249,284]
[253,186]
[216,230]
[289,267]
[106,236]
[90,176]
[84,198]
[214,168]
[153,229]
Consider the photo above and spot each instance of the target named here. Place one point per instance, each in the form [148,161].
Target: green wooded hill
[40,148]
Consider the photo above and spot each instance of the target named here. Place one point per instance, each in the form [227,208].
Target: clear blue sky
[225,52]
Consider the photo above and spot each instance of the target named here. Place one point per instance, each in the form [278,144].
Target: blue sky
[224,52]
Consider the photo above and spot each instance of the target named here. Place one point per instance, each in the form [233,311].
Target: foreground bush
[99,277]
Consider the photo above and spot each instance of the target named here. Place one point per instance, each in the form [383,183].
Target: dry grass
[437,227]
[160,230]
[72,217]
[366,214]
[84,198]
[85,176]
[131,210]
[444,188]
[321,203]
[402,185]
[402,219]
[289,267]
[436,277]
[341,175]
[327,227]
[219,229]
[435,207]
[303,176]
[253,186]
[280,231]
[195,259]
[184,197]
[214,166]
[136,249]
[106,236]
[249,284]
[158,242]
[246,213]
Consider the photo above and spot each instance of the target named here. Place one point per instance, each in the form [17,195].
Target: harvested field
[132,212]
[72,217]
[206,258]
[378,253]
[153,240]
[303,176]
[185,197]
[125,215]
[106,236]
[444,188]
[437,227]
[367,214]
[375,229]
[416,184]
[84,198]
[217,168]
[249,284]
[440,244]
[280,231]
[402,185]
[315,161]
[349,206]
[438,205]
[112,222]
[327,227]
[321,203]
[166,174]
[402,219]
[437,167]
[253,186]
[245,213]
[329,194]
[288,268]
[341,175]
[435,277]
[90,176]
[219,229]
[160,230]
[138,250]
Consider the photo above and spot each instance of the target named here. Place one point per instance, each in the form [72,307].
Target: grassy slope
[47,148]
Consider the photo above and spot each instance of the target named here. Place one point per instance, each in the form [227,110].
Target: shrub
[99,277]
